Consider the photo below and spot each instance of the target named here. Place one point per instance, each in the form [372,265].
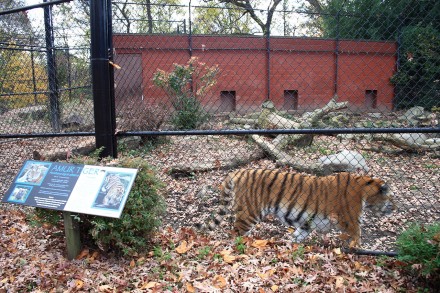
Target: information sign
[86,189]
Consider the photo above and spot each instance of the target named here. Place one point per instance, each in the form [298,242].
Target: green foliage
[298,252]
[413,24]
[139,220]
[204,252]
[417,78]
[140,217]
[419,247]
[227,19]
[185,85]
[240,246]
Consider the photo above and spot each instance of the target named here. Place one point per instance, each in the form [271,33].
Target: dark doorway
[371,99]
[227,101]
[290,100]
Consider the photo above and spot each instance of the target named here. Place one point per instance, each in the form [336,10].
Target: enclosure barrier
[212,90]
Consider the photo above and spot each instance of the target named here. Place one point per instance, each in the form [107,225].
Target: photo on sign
[20,194]
[33,173]
[113,190]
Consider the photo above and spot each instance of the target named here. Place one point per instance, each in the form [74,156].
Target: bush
[419,248]
[140,218]
[185,85]
[138,116]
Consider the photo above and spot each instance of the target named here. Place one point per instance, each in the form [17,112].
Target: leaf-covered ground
[178,259]
[33,259]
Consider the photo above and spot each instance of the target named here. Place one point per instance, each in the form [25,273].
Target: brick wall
[307,70]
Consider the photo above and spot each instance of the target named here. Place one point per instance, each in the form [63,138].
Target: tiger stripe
[303,201]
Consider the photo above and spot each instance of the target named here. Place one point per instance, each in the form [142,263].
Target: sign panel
[86,189]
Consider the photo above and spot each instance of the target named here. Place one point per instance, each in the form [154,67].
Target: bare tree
[246,4]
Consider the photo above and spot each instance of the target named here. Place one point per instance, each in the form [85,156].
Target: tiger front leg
[243,223]
[355,235]
[300,234]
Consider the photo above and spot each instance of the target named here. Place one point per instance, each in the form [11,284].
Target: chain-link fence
[203,90]
[45,83]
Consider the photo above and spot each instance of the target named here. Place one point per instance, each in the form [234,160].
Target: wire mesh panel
[202,90]
[308,88]
[44,83]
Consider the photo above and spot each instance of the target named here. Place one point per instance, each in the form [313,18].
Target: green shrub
[190,114]
[139,219]
[185,85]
[419,248]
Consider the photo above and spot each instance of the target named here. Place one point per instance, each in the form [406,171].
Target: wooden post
[73,240]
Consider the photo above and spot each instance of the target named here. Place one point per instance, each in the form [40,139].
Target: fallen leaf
[339,282]
[79,284]
[219,282]
[105,288]
[132,263]
[183,247]
[260,244]
[274,288]
[190,288]
[337,251]
[229,258]
[150,285]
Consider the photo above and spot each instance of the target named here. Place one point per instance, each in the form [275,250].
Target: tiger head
[377,196]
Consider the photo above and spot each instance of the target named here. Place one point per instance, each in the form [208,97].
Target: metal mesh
[204,90]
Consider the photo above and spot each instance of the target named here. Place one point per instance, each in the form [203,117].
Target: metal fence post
[102,84]
[52,70]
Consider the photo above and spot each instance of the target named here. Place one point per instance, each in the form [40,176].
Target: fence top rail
[29,7]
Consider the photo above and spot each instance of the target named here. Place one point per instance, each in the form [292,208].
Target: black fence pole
[52,70]
[101,78]
[111,77]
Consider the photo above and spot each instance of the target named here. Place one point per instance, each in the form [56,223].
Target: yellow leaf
[132,263]
[274,288]
[266,274]
[259,244]
[190,288]
[183,247]
[150,285]
[339,282]
[79,284]
[229,258]
[105,288]
[337,251]
[5,280]
[219,282]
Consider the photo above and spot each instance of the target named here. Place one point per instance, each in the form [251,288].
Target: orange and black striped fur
[306,202]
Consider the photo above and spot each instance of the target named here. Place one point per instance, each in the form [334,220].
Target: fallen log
[405,143]
[284,159]
[308,120]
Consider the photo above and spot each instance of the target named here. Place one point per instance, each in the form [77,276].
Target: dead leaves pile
[32,259]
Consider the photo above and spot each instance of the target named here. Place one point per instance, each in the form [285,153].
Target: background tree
[253,12]
[147,16]
[415,25]
[221,18]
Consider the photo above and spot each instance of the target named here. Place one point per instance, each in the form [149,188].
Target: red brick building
[295,73]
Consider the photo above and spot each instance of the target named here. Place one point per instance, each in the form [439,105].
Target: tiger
[304,201]
[114,190]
